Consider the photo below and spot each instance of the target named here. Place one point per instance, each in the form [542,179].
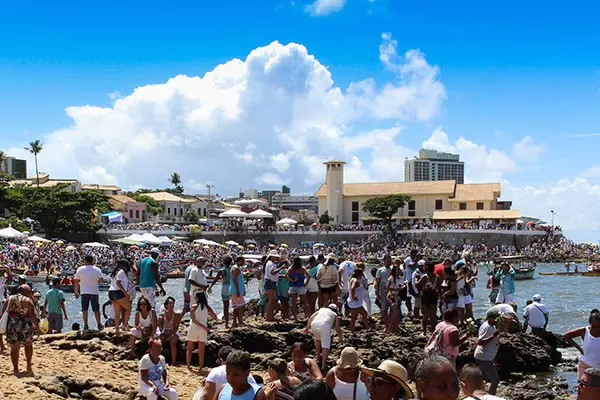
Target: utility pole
[209,187]
[553,213]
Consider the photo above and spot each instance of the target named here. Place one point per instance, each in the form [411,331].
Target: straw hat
[330,256]
[349,358]
[391,370]
[273,253]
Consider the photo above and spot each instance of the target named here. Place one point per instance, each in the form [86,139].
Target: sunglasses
[377,381]
[585,384]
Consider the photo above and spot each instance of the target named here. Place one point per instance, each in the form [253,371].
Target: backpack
[435,345]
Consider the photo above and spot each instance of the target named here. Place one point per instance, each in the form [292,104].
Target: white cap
[154,250]
[273,253]
[421,262]
[537,297]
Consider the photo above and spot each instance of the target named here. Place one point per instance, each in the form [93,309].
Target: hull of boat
[523,275]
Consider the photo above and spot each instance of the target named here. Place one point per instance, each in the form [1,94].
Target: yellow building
[437,200]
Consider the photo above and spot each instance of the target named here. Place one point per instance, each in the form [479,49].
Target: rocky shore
[97,365]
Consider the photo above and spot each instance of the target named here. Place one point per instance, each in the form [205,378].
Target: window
[143,215]
[355,211]
[181,211]
[137,214]
[169,210]
[130,213]
[462,206]
[411,214]
[204,212]
[480,206]
[412,205]
[439,204]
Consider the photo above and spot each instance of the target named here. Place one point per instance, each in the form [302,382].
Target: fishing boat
[523,266]
[103,287]
[561,273]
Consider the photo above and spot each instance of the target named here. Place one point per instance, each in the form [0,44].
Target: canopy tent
[11,233]
[165,240]
[150,238]
[233,213]
[113,217]
[260,214]
[37,239]
[206,242]
[232,243]
[136,237]
[286,221]
[95,244]
[126,241]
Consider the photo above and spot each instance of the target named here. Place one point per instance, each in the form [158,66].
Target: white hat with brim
[273,253]
[330,256]
[391,370]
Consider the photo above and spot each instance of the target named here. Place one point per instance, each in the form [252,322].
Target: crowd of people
[320,285]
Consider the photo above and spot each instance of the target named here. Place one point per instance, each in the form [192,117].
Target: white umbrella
[37,239]
[233,213]
[95,244]
[165,240]
[260,214]
[206,242]
[11,233]
[232,243]
[286,221]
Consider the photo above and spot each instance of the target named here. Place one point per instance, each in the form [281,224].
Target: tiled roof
[166,196]
[477,191]
[387,188]
[92,186]
[476,214]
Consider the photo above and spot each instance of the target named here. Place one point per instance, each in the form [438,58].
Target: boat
[181,275]
[523,266]
[561,273]
[103,287]
[591,273]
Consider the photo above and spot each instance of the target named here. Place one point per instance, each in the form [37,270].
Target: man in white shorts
[320,325]
[507,285]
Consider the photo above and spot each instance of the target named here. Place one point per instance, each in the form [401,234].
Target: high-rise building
[17,168]
[432,165]
[295,202]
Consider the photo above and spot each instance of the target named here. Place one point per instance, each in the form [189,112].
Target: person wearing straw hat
[345,378]
[327,278]
[320,325]
[388,381]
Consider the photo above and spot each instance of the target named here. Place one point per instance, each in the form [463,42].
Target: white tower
[334,179]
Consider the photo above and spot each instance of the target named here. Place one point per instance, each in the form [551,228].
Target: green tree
[175,180]
[35,148]
[152,206]
[57,210]
[190,216]
[15,223]
[384,208]
[324,219]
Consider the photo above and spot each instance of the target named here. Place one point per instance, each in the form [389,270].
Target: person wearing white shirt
[345,271]
[217,377]
[473,384]
[197,278]
[270,283]
[537,316]
[86,284]
[409,269]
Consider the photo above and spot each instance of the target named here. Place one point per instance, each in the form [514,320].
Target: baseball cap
[154,250]
[333,308]
[537,297]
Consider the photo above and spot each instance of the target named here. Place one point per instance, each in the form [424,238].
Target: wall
[472,205]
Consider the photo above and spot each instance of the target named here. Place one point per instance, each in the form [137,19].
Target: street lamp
[553,213]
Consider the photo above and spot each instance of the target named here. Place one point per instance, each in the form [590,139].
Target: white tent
[232,243]
[286,221]
[11,233]
[150,238]
[95,244]
[37,239]
[165,240]
[247,202]
[206,242]
[135,237]
[260,214]
[233,213]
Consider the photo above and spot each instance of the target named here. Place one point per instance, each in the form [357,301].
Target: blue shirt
[146,276]
[240,282]
[54,298]
[227,393]
[507,282]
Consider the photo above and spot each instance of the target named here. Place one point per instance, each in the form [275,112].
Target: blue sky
[509,71]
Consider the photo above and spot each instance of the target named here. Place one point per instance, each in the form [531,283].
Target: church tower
[334,179]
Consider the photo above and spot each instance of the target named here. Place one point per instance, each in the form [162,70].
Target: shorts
[86,299]
[384,304]
[196,334]
[116,295]
[283,297]
[504,298]
[450,304]
[299,290]
[150,294]
[312,286]
[328,290]
[55,321]
[344,297]
[417,302]
[460,303]
[225,296]
[322,333]
[270,285]
[468,299]
[138,333]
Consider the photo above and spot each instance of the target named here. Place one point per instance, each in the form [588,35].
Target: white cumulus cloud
[528,151]
[325,7]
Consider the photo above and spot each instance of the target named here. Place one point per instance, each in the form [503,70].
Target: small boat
[591,273]
[561,273]
[103,287]
[523,266]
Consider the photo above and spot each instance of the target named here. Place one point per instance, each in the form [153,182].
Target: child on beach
[145,323]
[198,330]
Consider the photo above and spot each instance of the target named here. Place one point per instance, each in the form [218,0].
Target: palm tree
[175,179]
[35,148]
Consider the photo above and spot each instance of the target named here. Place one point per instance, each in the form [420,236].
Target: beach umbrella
[233,213]
[70,248]
[314,225]
[318,245]
[37,239]
[530,223]
[286,221]
[284,245]
[260,214]
[251,246]
[232,243]
[59,242]
[95,244]
[272,245]
[11,233]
